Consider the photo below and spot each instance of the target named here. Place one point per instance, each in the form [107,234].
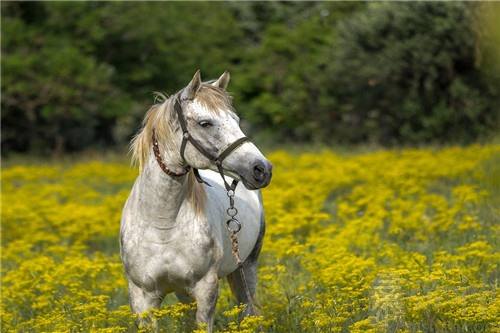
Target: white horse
[173,235]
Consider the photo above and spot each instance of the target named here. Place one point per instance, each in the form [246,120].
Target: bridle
[187,137]
[232,224]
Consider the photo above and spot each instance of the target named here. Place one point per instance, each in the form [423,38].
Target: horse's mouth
[247,182]
[248,185]
[253,186]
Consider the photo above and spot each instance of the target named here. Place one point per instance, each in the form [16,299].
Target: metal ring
[233,225]
[230,193]
[232,211]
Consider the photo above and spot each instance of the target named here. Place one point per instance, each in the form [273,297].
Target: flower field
[386,241]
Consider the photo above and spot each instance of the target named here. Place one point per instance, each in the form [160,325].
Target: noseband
[186,137]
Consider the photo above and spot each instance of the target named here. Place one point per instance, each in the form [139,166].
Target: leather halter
[186,137]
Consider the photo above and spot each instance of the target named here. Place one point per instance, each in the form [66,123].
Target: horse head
[210,137]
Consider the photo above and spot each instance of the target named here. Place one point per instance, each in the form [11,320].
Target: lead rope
[234,226]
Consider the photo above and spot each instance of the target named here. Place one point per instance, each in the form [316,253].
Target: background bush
[418,68]
[76,75]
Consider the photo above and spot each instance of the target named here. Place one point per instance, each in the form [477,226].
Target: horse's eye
[205,123]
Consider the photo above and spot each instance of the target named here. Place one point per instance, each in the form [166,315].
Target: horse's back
[250,210]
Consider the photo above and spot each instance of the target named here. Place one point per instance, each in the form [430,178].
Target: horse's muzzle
[259,175]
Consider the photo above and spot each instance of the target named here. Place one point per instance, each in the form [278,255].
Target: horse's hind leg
[250,275]
[238,287]
[141,301]
[184,297]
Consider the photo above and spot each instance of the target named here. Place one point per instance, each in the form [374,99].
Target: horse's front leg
[142,301]
[205,292]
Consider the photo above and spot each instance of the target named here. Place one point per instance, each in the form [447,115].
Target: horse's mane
[160,117]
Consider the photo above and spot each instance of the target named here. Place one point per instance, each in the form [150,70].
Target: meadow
[385,241]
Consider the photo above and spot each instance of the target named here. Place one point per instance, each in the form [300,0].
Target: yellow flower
[395,240]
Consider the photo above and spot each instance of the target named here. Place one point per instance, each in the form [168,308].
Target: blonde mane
[159,117]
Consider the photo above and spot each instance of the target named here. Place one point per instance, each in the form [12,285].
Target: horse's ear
[223,80]
[192,88]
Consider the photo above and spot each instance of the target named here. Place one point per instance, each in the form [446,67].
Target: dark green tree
[80,74]
[54,95]
[410,72]
[282,83]
[71,70]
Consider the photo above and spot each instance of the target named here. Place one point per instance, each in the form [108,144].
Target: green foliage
[54,95]
[411,73]
[82,73]
[284,86]
[71,70]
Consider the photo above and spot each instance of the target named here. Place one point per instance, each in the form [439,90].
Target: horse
[175,234]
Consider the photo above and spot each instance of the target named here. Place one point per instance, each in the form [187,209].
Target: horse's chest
[179,256]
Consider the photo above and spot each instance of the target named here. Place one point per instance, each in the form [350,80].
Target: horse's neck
[160,195]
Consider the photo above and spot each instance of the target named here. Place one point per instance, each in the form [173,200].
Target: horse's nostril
[259,172]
